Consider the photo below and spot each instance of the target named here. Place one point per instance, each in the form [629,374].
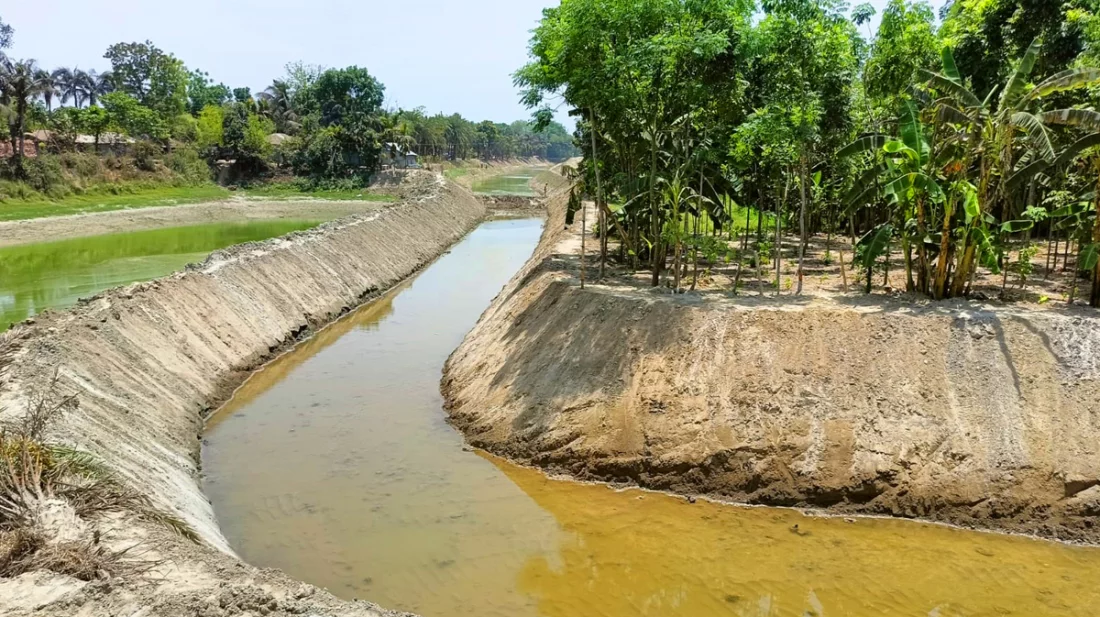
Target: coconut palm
[95,85]
[276,103]
[49,88]
[70,85]
[20,83]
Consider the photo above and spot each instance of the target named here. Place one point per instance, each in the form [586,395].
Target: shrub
[45,175]
[84,165]
[145,155]
[186,162]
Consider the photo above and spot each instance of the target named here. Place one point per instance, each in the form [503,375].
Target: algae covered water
[335,464]
[512,183]
[56,275]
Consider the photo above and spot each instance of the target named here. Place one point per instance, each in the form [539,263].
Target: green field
[103,199]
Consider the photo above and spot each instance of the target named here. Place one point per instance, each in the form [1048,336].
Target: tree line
[947,142]
[334,119]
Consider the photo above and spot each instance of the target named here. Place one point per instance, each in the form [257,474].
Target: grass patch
[456,172]
[290,192]
[102,198]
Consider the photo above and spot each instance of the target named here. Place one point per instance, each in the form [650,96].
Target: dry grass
[33,471]
[27,550]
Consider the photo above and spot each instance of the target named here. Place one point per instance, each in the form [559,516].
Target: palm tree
[20,83]
[96,85]
[49,88]
[277,104]
[70,84]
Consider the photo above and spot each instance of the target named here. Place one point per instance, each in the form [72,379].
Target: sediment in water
[976,415]
[148,361]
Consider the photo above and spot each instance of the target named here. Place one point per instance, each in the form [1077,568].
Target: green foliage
[906,42]
[1023,266]
[989,35]
[209,131]
[145,155]
[7,33]
[342,110]
[203,93]
[133,118]
[45,175]
[157,80]
[244,138]
[188,165]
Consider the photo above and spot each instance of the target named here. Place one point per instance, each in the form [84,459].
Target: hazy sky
[444,55]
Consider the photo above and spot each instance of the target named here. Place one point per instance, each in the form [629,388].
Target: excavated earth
[149,361]
[982,416]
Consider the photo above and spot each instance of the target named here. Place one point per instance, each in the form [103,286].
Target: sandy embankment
[148,361]
[970,414]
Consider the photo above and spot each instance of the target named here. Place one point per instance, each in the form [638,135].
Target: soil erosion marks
[975,415]
[148,361]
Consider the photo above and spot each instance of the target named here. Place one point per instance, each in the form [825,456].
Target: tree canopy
[943,138]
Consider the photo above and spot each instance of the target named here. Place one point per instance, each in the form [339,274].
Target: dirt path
[969,413]
[228,211]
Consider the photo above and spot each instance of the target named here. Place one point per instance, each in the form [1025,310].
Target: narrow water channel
[35,277]
[335,464]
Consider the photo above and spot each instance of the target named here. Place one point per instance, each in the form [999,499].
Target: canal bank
[334,464]
[964,413]
[148,361]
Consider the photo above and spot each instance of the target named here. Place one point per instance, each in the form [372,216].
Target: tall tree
[156,79]
[20,83]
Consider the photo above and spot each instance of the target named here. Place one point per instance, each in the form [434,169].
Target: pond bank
[954,412]
[148,361]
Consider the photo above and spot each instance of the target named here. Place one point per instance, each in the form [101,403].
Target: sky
[443,55]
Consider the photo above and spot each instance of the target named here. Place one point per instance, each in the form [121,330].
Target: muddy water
[34,277]
[512,183]
[335,464]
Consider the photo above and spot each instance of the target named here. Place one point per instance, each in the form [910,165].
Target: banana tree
[902,171]
[996,137]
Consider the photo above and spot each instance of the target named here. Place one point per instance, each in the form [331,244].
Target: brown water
[335,464]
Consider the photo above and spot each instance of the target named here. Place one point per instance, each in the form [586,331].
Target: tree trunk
[695,239]
[803,173]
[778,245]
[20,129]
[907,248]
[939,287]
[599,199]
[584,222]
[655,227]
[744,246]
[922,255]
[1094,296]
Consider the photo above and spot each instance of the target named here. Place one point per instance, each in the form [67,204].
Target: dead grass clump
[33,472]
[26,550]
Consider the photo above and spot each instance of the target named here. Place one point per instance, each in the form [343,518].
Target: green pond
[35,277]
[512,183]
